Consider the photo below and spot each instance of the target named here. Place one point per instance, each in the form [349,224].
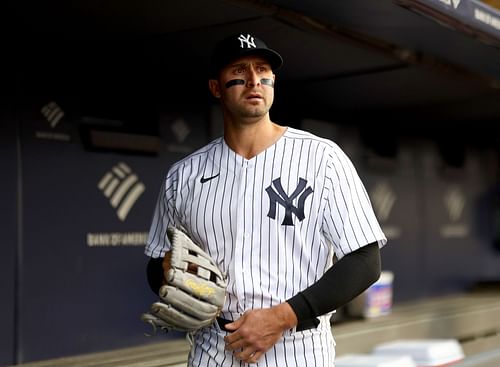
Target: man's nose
[252,78]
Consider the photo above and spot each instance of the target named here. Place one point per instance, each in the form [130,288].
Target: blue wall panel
[84,282]
[452,241]
[393,186]
[8,220]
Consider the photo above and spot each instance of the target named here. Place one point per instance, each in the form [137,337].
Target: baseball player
[273,206]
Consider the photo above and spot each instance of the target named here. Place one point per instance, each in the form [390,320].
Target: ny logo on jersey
[286,201]
[249,40]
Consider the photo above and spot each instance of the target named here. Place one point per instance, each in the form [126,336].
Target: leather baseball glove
[194,289]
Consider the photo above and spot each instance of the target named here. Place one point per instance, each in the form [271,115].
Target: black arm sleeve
[345,280]
[154,272]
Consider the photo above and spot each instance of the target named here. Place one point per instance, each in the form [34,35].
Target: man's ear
[214,87]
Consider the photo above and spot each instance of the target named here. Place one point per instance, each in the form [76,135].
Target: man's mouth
[254,96]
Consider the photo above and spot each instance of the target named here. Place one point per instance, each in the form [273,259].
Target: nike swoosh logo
[206,179]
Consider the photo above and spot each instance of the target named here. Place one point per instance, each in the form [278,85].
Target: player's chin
[254,112]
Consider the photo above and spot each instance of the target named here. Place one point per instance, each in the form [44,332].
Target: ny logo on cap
[249,40]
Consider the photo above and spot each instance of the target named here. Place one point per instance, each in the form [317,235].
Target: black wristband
[154,272]
[301,307]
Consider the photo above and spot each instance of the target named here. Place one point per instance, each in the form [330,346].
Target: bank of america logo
[122,187]
[53,113]
[383,198]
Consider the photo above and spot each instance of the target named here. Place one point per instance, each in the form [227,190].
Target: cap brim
[274,59]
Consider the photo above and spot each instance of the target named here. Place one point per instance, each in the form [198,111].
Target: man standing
[273,206]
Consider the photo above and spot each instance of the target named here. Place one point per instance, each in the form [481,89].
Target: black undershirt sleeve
[345,280]
[154,273]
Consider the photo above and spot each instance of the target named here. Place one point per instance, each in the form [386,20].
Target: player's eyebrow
[239,65]
[246,64]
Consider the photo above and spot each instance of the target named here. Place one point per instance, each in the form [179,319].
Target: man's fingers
[237,344]
[232,337]
[254,333]
[246,352]
[248,355]
[231,326]
[254,357]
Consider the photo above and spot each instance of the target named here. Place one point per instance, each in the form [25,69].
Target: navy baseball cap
[238,45]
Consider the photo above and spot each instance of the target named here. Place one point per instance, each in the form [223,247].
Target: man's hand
[257,331]
[166,265]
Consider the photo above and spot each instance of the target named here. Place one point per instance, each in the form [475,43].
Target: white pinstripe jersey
[272,222]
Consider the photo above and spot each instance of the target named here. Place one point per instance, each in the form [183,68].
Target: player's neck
[250,139]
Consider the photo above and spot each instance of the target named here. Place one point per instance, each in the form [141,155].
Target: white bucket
[425,352]
[370,360]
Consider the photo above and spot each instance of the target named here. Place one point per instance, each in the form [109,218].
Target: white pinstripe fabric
[313,348]
[267,262]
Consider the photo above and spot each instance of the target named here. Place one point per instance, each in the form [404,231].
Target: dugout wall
[75,275]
